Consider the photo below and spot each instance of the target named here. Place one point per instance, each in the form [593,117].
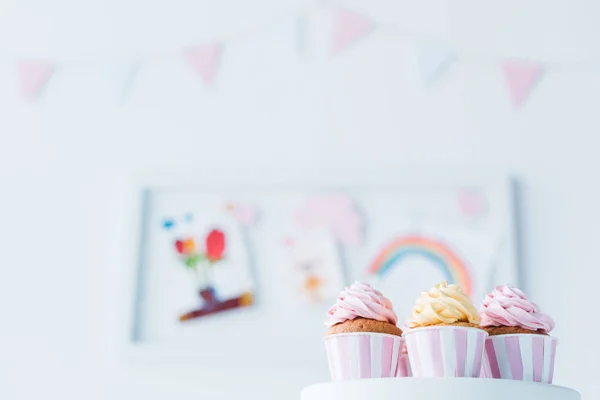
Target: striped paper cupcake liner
[484,374]
[522,357]
[365,355]
[445,351]
[404,367]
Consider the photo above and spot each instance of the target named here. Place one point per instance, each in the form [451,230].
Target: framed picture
[242,267]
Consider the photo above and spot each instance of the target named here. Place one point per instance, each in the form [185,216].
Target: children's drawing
[315,264]
[444,258]
[231,254]
[323,227]
[408,263]
[336,213]
[203,259]
[471,203]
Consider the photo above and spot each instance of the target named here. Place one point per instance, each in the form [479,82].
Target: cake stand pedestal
[437,389]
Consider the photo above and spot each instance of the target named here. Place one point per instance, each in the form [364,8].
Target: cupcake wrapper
[365,355]
[445,351]
[484,374]
[404,367]
[522,357]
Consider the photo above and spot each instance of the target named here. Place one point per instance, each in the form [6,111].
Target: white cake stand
[437,389]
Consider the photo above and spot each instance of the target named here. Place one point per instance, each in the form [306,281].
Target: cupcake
[362,339]
[445,339]
[519,346]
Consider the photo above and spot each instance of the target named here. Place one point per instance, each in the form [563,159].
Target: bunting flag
[301,28]
[33,77]
[123,75]
[348,27]
[434,59]
[205,60]
[521,78]
[292,30]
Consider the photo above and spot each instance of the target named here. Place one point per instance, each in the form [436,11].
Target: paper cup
[521,357]
[445,351]
[404,365]
[364,355]
[484,374]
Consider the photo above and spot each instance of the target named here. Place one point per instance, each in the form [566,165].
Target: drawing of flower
[185,247]
[215,245]
[200,261]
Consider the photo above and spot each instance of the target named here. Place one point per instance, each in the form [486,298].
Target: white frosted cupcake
[445,339]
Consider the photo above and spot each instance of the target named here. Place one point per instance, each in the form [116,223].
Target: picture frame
[499,184]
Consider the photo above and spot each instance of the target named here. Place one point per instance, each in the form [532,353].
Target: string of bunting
[35,74]
[434,58]
[348,28]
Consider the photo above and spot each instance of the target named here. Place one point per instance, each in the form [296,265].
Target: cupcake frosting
[443,304]
[360,300]
[508,306]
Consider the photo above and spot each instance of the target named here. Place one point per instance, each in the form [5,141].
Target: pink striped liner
[365,355]
[521,357]
[445,351]
[484,374]
[404,365]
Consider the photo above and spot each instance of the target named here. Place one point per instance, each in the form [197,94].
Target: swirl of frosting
[360,300]
[443,304]
[508,306]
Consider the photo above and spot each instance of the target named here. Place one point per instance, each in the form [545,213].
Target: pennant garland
[434,59]
[521,77]
[348,28]
[123,75]
[301,28]
[292,30]
[205,60]
[33,77]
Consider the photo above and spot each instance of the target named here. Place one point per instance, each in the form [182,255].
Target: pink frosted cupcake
[519,346]
[362,339]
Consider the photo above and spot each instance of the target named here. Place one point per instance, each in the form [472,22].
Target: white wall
[65,162]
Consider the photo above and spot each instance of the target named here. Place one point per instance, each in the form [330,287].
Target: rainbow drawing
[454,269]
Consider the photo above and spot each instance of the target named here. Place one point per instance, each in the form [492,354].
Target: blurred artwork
[324,226]
[406,263]
[229,255]
[202,258]
[471,203]
[315,265]
[334,212]
[440,254]
[245,214]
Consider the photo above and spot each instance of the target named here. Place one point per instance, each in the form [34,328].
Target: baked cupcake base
[364,325]
[464,324]
[510,330]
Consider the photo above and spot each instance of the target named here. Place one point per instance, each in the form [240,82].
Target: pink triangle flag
[348,27]
[33,77]
[205,60]
[521,77]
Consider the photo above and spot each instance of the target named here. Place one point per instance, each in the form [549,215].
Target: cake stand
[437,389]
